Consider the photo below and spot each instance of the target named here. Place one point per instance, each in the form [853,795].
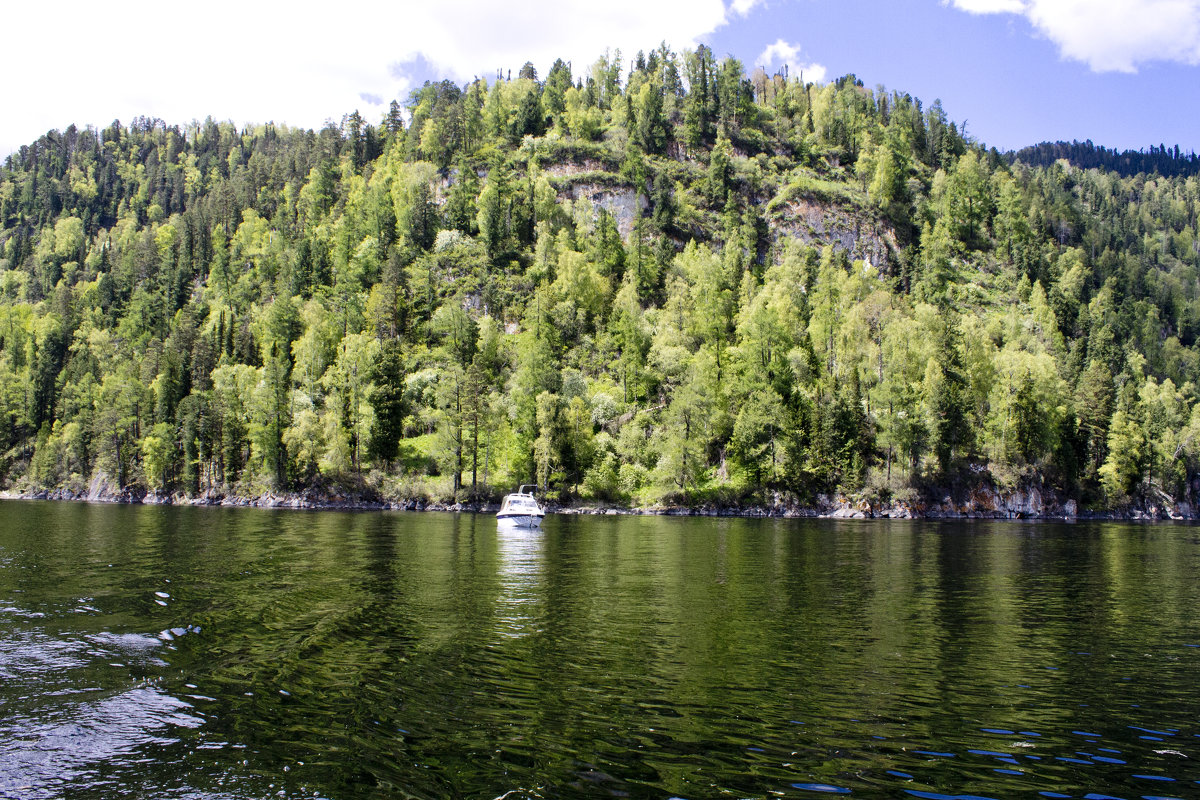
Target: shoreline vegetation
[665,283]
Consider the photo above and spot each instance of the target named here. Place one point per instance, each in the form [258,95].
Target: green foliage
[806,186]
[691,284]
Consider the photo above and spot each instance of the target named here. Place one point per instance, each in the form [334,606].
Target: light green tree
[159,455]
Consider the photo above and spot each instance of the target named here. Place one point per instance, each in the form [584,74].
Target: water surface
[220,653]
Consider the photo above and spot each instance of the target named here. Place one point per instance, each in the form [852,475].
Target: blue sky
[1007,80]
[1123,73]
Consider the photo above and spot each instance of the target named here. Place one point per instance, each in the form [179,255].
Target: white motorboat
[521,508]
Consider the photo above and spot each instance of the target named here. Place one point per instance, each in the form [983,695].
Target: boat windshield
[518,502]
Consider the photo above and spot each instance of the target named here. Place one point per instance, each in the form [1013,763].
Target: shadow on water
[212,653]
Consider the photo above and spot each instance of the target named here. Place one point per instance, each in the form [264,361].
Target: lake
[238,653]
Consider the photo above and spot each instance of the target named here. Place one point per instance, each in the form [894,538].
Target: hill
[1161,160]
[683,284]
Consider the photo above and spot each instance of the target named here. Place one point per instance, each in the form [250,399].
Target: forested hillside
[675,282]
[1163,160]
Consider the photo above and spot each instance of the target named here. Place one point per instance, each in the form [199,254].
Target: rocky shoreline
[979,503]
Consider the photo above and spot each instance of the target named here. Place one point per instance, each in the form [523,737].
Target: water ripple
[63,746]
[437,656]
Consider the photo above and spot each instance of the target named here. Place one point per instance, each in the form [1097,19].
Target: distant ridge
[1169,162]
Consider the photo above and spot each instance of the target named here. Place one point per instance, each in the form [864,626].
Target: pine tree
[387,400]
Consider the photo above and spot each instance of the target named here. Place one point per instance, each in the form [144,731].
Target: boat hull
[520,520]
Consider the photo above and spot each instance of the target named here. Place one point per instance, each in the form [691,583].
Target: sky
[1123,73]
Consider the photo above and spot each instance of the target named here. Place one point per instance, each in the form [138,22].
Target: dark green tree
[387,399]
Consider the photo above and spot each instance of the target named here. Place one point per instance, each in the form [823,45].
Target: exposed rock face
[103,489]
[814,222]
[986,502]
[98,488]
[623,204]
[817,224]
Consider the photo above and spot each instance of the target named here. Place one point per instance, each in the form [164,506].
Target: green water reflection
[399,655]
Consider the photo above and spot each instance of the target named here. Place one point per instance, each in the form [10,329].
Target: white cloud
[250,63]
[779,53]
[782,53]
[744,7]
[1109,35]
[467,38]
[813,73]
